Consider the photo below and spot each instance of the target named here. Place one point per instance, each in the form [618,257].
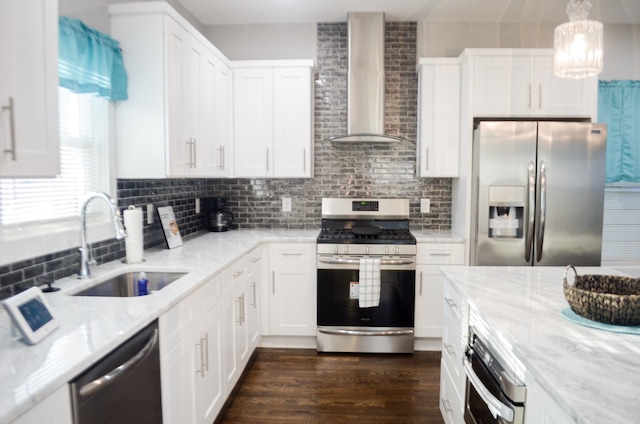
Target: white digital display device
[31,314]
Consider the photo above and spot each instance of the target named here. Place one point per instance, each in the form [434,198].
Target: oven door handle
[497,408]
[341,332]
[346,261]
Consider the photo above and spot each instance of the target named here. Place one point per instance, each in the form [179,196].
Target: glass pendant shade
[578,43]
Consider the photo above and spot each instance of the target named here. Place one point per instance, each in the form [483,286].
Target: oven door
[485,402]
[337,291]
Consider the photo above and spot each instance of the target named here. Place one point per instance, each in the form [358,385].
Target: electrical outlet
[286,204]
[425,205]
[197,205]
[150,213]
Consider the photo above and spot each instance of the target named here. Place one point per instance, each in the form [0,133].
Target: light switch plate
[286,204]
[425,205]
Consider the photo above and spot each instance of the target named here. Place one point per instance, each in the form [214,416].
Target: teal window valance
[90,61]
[619,108]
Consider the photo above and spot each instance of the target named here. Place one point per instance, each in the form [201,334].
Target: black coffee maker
[218,217]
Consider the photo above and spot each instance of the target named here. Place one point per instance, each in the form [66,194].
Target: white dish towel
[369,296]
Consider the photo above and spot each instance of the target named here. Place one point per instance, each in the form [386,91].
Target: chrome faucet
[85,248]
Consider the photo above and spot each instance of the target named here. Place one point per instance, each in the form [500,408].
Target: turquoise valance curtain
[90,61]
[619,108]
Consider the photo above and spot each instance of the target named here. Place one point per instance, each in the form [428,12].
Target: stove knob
[367,250]
[396,249]
[386,249]
[346,249]
[336,249]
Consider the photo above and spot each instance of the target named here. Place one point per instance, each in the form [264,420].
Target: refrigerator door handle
[531,187]
[543,210]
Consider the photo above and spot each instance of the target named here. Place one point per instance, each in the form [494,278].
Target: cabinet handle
[304,160]
[426,157]
[273,282]
[267,159]
[451,303]
[221,157]
[254,304]
[539,96]
[530,94]
[201,346]
[420,283]
[449,349]
[195,153]
[446,405]
[439,253]
[206,351]
[255,260]
[12,130]
[238,273]
[242,317]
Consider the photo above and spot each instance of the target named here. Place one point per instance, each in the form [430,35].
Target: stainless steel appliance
[494,393]
[538,193]
[355,230]
[219,218]
[123,387]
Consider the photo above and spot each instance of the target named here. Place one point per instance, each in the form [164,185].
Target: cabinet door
[543,408]
[210,383]
[179,373]
[439,120]
[562,96]
[54,409]
[183,77]
[428,320]
[253,308]
[292,127]
[29,135]
[253,122]
[236,349]
[502,86]
[216,117]
[292,299]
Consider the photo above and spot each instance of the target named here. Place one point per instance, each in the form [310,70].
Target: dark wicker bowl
[609,299]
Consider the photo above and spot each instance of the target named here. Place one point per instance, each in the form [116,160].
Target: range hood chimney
[365,80]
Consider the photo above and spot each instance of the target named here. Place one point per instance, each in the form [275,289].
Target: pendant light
[578,43]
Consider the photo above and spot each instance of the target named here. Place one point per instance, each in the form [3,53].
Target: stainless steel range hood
[365,81]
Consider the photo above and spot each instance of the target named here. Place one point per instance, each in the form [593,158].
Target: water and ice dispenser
[506,211]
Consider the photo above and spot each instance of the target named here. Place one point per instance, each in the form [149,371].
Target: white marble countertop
[90,327]
[593,374]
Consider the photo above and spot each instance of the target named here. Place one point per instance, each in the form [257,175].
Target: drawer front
[453,303]
[451,401]
[453,349]
[255,258]
[440,254]
[234,274]
[292,253]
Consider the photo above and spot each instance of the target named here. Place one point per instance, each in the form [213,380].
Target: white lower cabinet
[192,385]
[542,408]
[236,350]
[429,298]
[292,295]
[454,340]
[54,409]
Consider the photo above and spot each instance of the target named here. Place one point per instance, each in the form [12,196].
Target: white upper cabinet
[273,118]
[176,120]
[29,134]
[521,83]
[438,117]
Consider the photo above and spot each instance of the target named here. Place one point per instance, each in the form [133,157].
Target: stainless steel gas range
[366,276]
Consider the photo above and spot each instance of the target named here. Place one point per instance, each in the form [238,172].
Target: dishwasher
[124,386]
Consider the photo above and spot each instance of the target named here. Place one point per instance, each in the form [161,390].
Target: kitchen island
[593,375]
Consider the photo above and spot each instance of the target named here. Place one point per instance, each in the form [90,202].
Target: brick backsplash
[357,170]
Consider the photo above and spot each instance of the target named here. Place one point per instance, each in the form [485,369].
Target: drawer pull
[449,349]
[446,405]
[238,273]
[452,304]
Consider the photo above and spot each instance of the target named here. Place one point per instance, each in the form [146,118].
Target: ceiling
[220,12]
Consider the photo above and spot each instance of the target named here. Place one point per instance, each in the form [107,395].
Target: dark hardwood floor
[303,386]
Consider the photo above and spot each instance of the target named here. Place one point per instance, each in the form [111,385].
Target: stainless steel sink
[126,285]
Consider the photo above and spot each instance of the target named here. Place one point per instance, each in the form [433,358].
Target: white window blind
[84,167]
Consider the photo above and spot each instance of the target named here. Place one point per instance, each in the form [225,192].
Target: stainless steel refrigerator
[538,193]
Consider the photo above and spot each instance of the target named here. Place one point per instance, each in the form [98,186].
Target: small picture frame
[31,314]
[170,227]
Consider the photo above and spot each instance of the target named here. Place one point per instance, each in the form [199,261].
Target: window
[83,161]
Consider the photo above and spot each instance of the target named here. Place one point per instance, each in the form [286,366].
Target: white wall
[257,42]
[437,39]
